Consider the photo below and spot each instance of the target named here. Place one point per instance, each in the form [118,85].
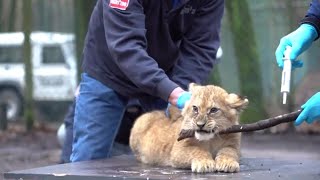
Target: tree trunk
[294,19]
[1,16]
[248,60]
[4,5]
[83,9]
[27,26]
[12,16]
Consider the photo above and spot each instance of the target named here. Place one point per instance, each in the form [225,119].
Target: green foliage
[215,77]
[246,52]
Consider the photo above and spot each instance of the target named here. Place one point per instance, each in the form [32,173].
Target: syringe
[286,74]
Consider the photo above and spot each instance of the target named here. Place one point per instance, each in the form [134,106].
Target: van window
[52,55]
[11,54]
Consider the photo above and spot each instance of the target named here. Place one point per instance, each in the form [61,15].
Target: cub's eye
[195,109]
[213,110]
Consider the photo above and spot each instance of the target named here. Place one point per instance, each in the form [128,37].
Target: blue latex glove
[311,110]
[167,110]
[300,40]
[182,99]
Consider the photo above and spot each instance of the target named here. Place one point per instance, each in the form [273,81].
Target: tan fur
[154,136]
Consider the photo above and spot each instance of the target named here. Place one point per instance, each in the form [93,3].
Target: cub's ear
[192,86]
[237,102]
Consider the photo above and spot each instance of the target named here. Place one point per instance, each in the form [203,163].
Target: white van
[54,68]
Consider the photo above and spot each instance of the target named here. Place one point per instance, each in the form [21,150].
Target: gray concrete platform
[125,167]
[265,157]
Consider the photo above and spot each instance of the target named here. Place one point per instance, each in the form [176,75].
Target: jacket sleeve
[125,35]
[313,16]
[199,45]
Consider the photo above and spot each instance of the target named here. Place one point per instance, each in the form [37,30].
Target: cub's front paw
[203,165]
[227,164]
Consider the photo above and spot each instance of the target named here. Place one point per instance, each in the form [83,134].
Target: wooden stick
[262,124]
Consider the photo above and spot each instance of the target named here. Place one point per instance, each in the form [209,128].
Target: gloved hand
[182,99]
[311,110]
[300,40]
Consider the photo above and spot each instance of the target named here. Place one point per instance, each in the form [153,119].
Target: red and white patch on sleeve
[119,4]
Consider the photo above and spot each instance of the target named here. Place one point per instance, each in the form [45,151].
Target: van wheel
[13,101]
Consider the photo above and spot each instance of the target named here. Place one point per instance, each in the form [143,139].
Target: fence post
[3,117]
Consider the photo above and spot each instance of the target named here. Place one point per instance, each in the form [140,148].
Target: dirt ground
[20,150]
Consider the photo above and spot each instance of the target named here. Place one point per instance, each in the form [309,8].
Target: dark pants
[67,146]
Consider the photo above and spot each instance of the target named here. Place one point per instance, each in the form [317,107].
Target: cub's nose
[201,124]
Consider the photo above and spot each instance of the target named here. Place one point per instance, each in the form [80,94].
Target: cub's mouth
[204,135]
[186,133]
[200,134]
[202,131]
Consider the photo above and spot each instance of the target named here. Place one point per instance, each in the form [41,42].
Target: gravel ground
[20,150]
[286,146]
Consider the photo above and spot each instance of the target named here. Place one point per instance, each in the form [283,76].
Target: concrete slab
[265,157]
[125,167]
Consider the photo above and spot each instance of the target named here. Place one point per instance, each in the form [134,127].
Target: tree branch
[262,124]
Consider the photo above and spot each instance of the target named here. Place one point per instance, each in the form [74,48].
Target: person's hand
[311,110]
[179,97]
[182,99]
[300,40]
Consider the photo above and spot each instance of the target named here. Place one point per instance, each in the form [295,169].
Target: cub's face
[210,110]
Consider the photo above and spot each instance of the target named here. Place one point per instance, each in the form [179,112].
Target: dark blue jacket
[148,48]
[313,15]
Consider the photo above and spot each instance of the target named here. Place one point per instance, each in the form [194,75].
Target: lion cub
[154,136]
